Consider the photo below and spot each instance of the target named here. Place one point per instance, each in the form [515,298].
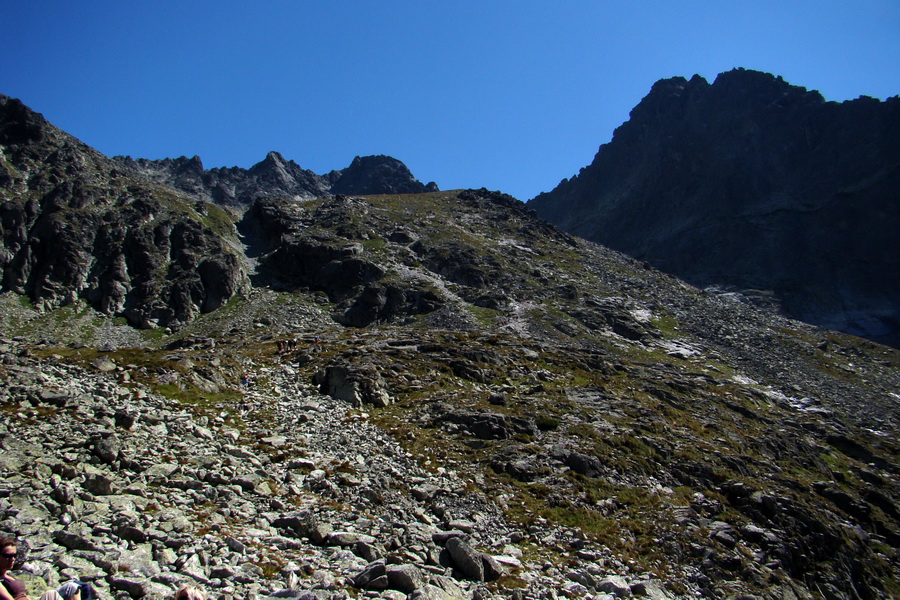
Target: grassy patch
[667,325]
[192,396]
[374,245]
[218,220]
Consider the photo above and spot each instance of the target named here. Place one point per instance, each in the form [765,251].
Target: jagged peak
[761,86]
[375,161]
[748,85]
[274,156]
[676,85]
[275,159]
[378,174]
[183,162]
[750,143]
[19,123]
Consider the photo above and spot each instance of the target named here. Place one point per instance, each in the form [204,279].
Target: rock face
[756,184]
[321,248]
[75,226]
[277,177]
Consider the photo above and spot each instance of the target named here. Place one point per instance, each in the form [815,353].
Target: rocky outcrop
[277,177]
[756,184]
[377,175]
[75,226]
[322,249]
[355,384]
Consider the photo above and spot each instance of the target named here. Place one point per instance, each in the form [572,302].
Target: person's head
[190,592]
[87,592]
[70,590]
[8,553]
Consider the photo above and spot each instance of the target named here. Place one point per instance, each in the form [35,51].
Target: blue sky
[508,95]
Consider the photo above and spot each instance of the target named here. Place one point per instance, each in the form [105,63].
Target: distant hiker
[11,588]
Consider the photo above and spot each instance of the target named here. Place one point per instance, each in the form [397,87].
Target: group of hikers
[14,589]
[285,346]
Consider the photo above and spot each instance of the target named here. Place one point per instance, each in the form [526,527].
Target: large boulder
[357,384]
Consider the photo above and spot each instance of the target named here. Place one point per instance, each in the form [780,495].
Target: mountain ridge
[276,176]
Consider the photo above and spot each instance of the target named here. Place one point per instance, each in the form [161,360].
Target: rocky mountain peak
[378,175]
[750,183]
[18,123]
[738,87]
[757,87]
[274,174]
[274,161]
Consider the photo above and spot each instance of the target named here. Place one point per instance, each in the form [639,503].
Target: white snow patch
[641,315]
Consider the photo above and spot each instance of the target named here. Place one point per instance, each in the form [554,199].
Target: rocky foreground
[284,493]
[494,409]
[308,473]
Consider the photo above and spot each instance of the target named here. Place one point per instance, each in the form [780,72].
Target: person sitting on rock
[70,590]
[190,592]
[11,588]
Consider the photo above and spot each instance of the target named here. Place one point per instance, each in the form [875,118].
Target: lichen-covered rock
[466,559]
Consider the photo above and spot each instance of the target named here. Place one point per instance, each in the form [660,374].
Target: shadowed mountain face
[75,225]
[145,240]
[429,395]
[758,185]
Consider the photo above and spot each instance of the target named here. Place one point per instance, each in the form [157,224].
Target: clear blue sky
[510,95]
